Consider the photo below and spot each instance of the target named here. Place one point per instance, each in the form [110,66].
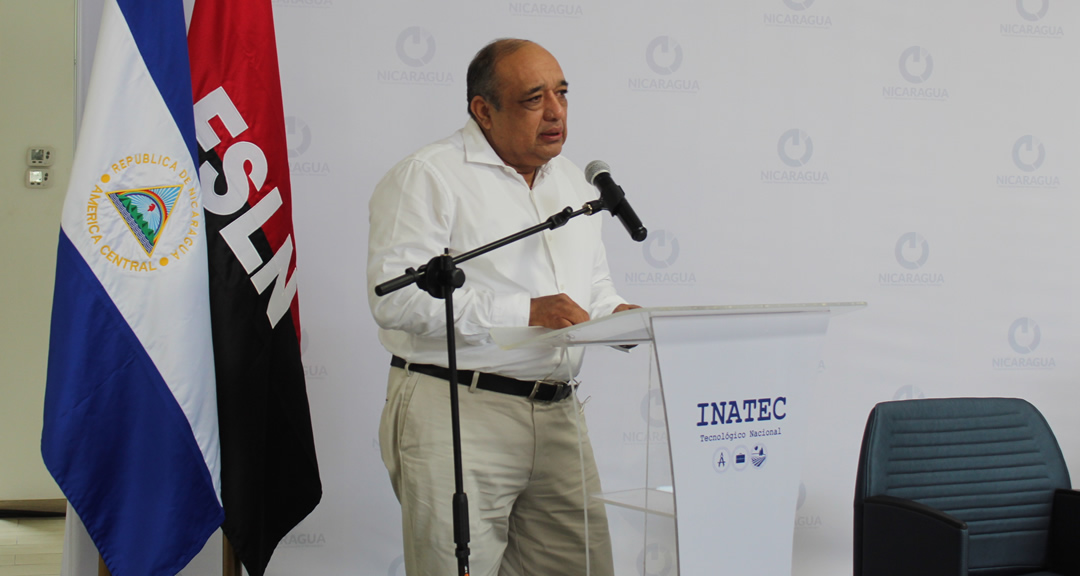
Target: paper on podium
[635,326]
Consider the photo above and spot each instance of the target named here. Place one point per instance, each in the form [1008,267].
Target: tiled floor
[31,546]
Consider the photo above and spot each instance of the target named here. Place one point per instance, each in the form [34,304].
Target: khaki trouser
[522,475]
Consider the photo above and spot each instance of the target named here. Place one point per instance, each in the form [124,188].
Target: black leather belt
[543,390]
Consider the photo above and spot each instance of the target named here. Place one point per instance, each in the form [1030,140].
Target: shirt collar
[479,150]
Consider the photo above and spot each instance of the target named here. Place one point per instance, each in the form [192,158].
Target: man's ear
[481,109]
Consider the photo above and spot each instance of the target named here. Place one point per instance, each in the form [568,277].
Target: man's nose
[555,108]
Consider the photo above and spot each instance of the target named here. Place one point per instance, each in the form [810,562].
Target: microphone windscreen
[594,169]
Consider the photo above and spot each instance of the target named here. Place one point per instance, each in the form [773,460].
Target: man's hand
[623,307]
[556,311]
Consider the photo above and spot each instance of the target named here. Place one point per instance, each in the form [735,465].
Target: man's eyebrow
[540,88]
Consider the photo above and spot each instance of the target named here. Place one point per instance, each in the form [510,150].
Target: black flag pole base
[439,278]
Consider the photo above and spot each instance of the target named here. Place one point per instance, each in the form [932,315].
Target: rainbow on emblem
[146,210]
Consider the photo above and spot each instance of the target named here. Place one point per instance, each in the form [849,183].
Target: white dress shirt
[458,194]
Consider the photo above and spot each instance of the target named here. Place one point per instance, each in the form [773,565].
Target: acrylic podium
[722,465]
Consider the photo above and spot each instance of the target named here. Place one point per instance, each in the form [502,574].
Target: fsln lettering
[244,162]
[727,412]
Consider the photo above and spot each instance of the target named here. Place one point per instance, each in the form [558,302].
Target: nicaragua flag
[130,428]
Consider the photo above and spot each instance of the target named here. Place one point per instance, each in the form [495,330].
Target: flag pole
[230,561]
[102,569]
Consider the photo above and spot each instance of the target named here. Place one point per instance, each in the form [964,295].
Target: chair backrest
[991,462]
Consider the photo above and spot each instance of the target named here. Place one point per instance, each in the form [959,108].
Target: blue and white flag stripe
[130,431]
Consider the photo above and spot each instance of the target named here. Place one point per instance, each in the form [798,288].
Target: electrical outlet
[37,178]
[39,156]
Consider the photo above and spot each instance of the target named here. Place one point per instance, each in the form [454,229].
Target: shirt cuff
[511,310]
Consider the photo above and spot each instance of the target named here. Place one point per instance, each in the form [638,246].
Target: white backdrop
[914,155]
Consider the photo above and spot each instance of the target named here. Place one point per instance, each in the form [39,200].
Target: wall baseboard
[33,508]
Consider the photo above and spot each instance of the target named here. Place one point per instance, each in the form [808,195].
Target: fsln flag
[270,474]
[130,426]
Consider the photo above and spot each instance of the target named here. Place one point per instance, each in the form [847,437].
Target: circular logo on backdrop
[798,4]
[1024,335]
[397,567]
[802,496]
[654,398]
[916,65]
[908,392]
[664,55]
[659,559]
[1042,7]
[415,46]
[297,136]
[912,242]
[661,249]
[795,148]
[1028,153]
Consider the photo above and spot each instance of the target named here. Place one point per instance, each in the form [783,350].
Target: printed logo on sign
[1030,23]
[303,540]
[1024,338]
[805,521]
[297,136]
[1022,152]
[908,392]
[656,560]
[912,243]
[415,48]
[721,460]
[758,455]
[652,413]
[740,458]
[298,140]
[546,9]
[661,251]
[795,148]
[397,567]
[664,57]
[311,371]
[1028,155]
[797,16]
[916,67]
[143,220]
[1041,8]
[652,407]
[912,251]
[753,418]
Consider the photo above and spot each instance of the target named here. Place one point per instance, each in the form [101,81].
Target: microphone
[599,174]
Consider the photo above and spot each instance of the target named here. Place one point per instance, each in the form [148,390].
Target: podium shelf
[642,499]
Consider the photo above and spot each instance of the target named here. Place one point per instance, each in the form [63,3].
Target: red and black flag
[269,471]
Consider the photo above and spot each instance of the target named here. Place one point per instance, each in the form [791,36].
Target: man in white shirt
[520,426]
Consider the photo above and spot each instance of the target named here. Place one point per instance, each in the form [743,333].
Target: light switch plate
[39,156]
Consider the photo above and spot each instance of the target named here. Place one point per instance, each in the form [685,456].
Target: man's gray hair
[480,80]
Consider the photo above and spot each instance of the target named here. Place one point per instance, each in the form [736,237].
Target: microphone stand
[440,277]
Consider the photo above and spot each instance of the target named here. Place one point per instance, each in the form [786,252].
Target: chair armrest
[1065,533]
[902,537]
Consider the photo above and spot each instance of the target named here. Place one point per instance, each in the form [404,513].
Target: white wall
[37,103]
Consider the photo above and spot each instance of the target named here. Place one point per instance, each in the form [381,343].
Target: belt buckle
[536,388]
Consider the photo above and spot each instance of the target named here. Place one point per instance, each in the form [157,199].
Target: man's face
[530,128]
